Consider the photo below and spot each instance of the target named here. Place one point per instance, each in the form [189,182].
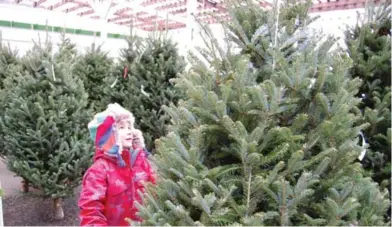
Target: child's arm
[150,172]
[92,197]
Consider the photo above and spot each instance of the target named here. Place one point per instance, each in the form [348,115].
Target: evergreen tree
[8,59]
[276,150]
[152,87]
[45,122]
[118,86]
[67,49]
[9,62]
[254,30]
[369,45]
[93,68]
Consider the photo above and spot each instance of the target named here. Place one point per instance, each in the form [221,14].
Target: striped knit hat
[104,133]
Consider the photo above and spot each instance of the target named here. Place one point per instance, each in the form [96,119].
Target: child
[120,168]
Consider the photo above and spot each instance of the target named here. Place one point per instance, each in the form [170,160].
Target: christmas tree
[369,45]
[67,49]
[254,30]
[277,150]
[152,87]
[45,122]
[118,87]
[93,67]
[9,61]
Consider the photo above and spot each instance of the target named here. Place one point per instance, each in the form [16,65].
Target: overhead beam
[57,5]
[207,4]
[178,11]
[136,5]
[171,5]
[36,4]
[124,16]
[339,5]
[86,12]
[121,11]
[74,8]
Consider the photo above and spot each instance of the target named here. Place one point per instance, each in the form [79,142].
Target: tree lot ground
[29,210]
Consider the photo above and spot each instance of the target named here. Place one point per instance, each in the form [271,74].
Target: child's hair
[138,140]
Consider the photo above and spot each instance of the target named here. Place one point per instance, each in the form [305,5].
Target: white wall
[336,22]
[22,38]
[330,22]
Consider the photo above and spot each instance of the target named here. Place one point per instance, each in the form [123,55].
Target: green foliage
[152,86]
[8,60]
[93,68]
[45,123]
[142,83]
[244,149]
[67,49]
[255,30]
[9,63]
[118,86]
[369,45]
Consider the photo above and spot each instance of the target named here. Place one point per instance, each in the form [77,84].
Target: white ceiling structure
[162,14]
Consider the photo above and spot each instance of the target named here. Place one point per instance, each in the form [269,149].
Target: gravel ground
[28,209]
[31,210]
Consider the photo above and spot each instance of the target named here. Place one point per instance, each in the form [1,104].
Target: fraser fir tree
[276,150]
[67,49]
[118,86]
[8,59]
[152,87]
[9,63]
[93,68]
[255,30]
[369,45]
[46,124]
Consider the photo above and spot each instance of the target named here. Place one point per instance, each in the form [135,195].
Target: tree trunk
[24,186]
[58,209]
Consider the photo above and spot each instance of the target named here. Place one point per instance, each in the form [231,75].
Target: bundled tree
[93,68]
[369,45]
[45,122]
[152,87]
[276,150]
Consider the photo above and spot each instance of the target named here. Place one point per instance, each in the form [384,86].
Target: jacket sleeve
[92,197]
[149,170]
[138,144]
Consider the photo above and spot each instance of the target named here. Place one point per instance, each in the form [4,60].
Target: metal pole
[191,24]
[1,206]
[103,9]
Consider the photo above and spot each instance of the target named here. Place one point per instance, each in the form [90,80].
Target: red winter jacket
[109,191]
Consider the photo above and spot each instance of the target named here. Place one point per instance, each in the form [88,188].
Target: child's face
[125,133]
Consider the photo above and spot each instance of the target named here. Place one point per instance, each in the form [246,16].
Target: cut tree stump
[58,209]
[24,186]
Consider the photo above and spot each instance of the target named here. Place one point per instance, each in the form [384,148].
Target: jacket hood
[104,134]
